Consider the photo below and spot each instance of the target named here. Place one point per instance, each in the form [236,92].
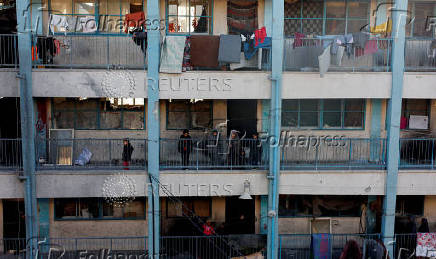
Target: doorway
[240,216]
[242,116]
[14,225]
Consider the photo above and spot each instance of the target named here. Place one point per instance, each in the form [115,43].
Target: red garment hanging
[259,36]
[134,20]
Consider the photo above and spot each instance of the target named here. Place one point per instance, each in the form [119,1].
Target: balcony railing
[8,51]
[82,51]
[301,245]
[10,154]
[420,54]
[304,56]
[245,154]
[86,154]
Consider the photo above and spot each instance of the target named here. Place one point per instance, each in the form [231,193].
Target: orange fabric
[134,20]
[34,53]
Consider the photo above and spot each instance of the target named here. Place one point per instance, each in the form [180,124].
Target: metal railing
[299,246]
[8,51]
[420,54]
[214,247]
[10,154]
[303,56]
[85,51]
[333,153]
[405,246]
[12,247]
[417,153]
[213,154]
[76,154]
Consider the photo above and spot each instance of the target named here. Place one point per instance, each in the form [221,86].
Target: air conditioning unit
[321,226]
[418,122]
[61,146]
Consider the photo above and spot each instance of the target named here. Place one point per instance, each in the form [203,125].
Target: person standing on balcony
[127,153]
[185,147]
[212,146]
[234,149]
[255,150]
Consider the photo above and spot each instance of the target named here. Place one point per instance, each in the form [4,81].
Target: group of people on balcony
[235,151]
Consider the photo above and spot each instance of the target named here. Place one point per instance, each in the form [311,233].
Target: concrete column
[376,143]
[263,214]
[399,15]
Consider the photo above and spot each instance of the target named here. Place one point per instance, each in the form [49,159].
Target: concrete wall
[10,186]
[210,85]
[95,228]
[1,223]
[340,225]
[430,212]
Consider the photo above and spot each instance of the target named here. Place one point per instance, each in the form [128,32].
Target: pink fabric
[371,47]
[298,42]
[259,35]
[403,122]
[426,244]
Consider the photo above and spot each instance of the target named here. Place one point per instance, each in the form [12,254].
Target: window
[96,208]
[324,114]
[109,14]
[332,17]
[410,205]
[188,115]
[320,206]
[109,113]
[189,16]
[420,11]
[188,207]
[415,107]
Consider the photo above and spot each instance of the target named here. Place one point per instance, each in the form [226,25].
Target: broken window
[110,113]
[188,115]
[320,206]
[188,207]
[96,208]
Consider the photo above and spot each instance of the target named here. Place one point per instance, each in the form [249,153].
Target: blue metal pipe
[276,107]
[399,14]
[27,119]
[152,82]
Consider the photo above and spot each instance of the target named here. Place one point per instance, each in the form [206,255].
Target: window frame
[324,17]
[188,199]
[321,112]
[98,111]
[100,203]
[98,18]
[405,111]
[209,16]
[189,111]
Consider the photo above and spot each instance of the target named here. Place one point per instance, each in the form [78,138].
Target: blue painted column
[263,214]
[44,221]
[27,119]
[275,115]
[375,133]
[153,56]
[399,13]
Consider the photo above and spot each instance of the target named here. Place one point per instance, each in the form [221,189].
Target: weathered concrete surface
[10,186]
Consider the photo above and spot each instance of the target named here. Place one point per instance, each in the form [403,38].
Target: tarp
[171,56]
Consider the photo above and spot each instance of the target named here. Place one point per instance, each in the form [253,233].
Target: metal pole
[399,14]
[27,119]
[276,107]
[153,55]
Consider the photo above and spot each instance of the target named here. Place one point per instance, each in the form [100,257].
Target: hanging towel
[426,244]
[382,28]
[88,24]
[336,59]
[186,65]
[230,48]
[171,56]
[324,61]
[259,35]
[58,21]
[371,47]
[321,247]
[134,20]
[204,51]
[360,39]
[244,62]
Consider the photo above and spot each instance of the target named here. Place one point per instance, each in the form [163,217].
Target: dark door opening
[14,225]
[240,216]
[242,116]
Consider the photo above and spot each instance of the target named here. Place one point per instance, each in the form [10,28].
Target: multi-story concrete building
[332,157]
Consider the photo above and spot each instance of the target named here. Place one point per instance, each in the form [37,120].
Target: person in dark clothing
[185,147]
[255,150]
[127,153]
[423,228]
[351,251]
[411,225]
[234,149]
[212,147]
